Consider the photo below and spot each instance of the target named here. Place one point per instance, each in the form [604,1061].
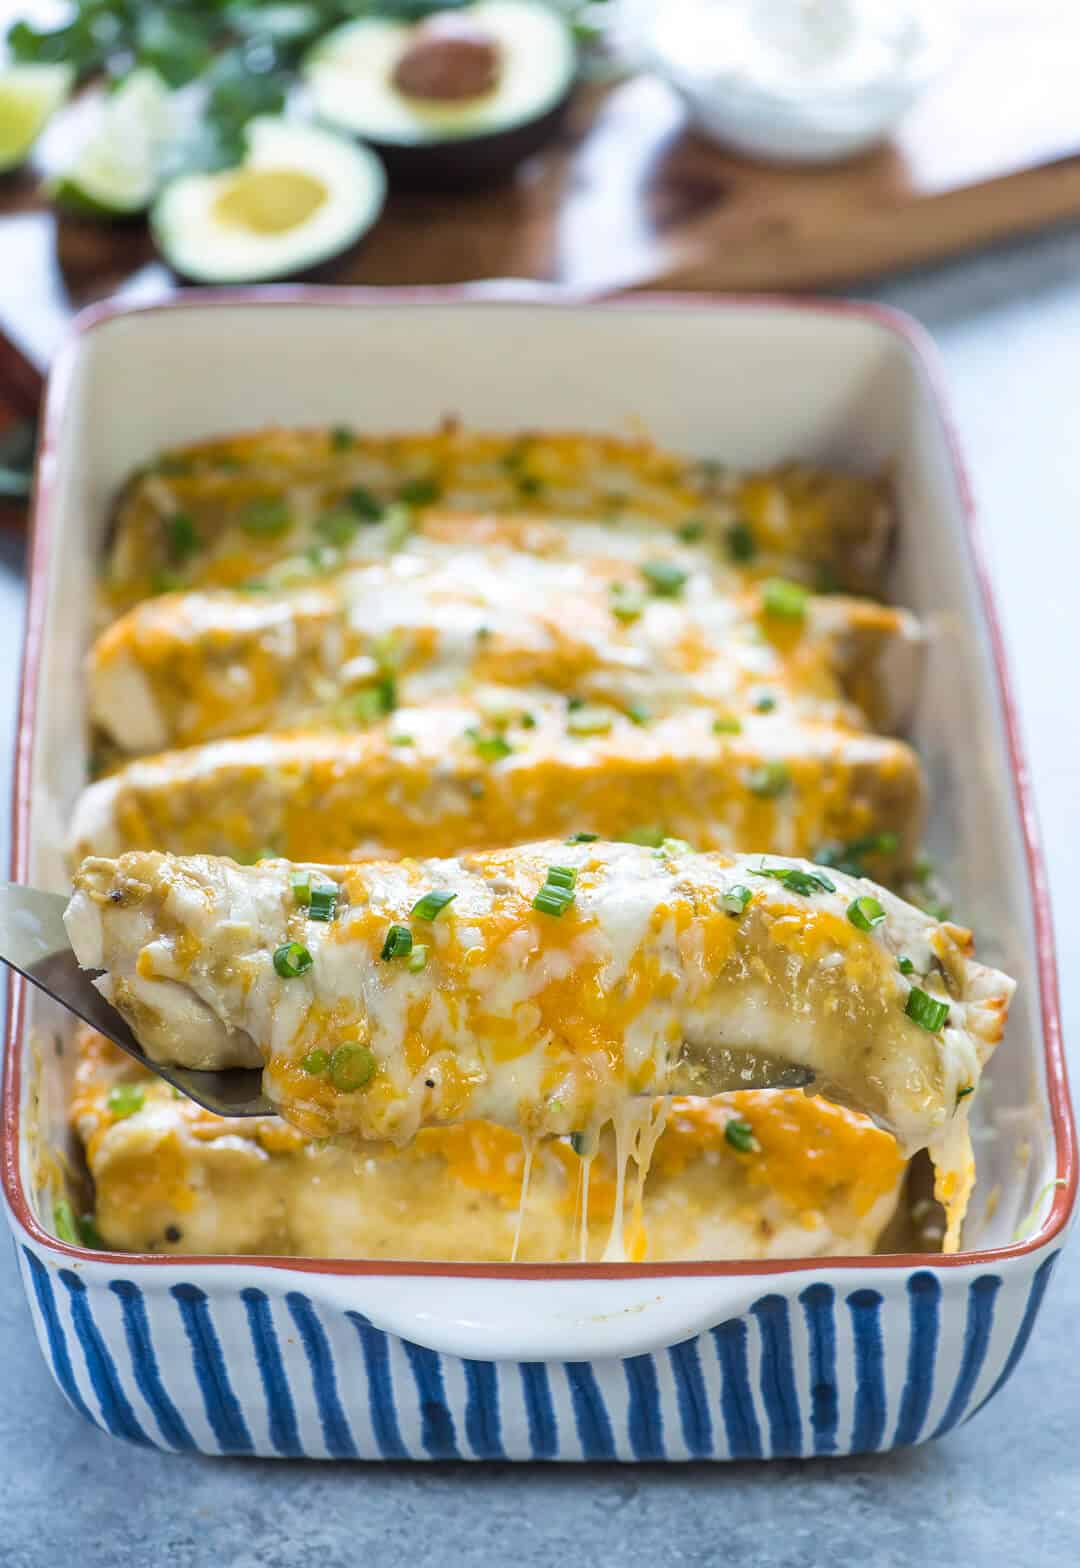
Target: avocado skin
[470,160]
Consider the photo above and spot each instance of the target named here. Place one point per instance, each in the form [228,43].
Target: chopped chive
[562,876]
[926,1010]
[341,438]
[557,893]
[905,965]
[491,748]
[797,880]
[726,726]
[664,578]
[124,1099]
[736,899]
[585,721]
[398,943]
[374,702]
[432,904]
[338,528]
[182,536]
[351,1067]
[527,721]
[765,702]
[402,740]
[638,713]
[784,600]
[769,780]
[418,492]
[529,484]
[692,530]
[366,506]
[268,515]
[963,1092]
[315,1062]
[292,959]
[740,1135]
[64,1222]
[417,959]
[865,913]
[583,838]
[740,542]
[626,603]
[322,902]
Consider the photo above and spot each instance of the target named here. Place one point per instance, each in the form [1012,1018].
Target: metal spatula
[34,941]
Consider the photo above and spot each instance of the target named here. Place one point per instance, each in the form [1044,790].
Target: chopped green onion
[351,1067]
[740,1135]
[740,542]
[527,721]
[432,904]
[402,740]
[374,702]
[784,600]
[848,857]
[338,528]
[418,492]
[557,893]
[963,1092]
[586,721]
[797,880]
[315,1062]
[182,536]
[583,838]
[165,582]
[124,1099]
[765,702]
[926,1010]
[292,959]
[769,780]
[905,965]
[491,748]
[736,899]
[341,438]
[562,876]
[398,943]
[417,959]
[397,528]
[529,484]
[89,1234]
[364,504]
[676,846]
[626,603]
[268,515]
[865,913]
[322,902]
[579,1142]
[64,1222]
[726,726]
[300,883]
[665,578]
[692,530]
[637,713]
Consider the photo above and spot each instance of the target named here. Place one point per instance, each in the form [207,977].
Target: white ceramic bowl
[342,1359]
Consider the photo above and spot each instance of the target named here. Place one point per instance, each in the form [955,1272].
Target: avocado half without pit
[300,197]
[461,97]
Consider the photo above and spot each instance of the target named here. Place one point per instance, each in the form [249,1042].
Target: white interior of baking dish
[749,384]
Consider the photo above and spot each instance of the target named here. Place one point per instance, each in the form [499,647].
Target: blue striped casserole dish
[334,1359]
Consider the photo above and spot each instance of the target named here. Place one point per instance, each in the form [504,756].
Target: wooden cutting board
[632,197]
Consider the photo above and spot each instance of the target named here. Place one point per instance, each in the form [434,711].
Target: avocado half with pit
[300,197]
[462,96]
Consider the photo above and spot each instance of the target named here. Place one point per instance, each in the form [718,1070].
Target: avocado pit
[449,59]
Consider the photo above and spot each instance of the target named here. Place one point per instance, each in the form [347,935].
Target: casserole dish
[347,1359]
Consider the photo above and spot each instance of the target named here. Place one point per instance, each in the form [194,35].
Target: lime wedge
[117,170]
[29,96]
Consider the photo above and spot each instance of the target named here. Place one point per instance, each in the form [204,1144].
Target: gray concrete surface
[1001,1491]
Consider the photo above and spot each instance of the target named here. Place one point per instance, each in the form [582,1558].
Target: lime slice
[29,96]
[118,168]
